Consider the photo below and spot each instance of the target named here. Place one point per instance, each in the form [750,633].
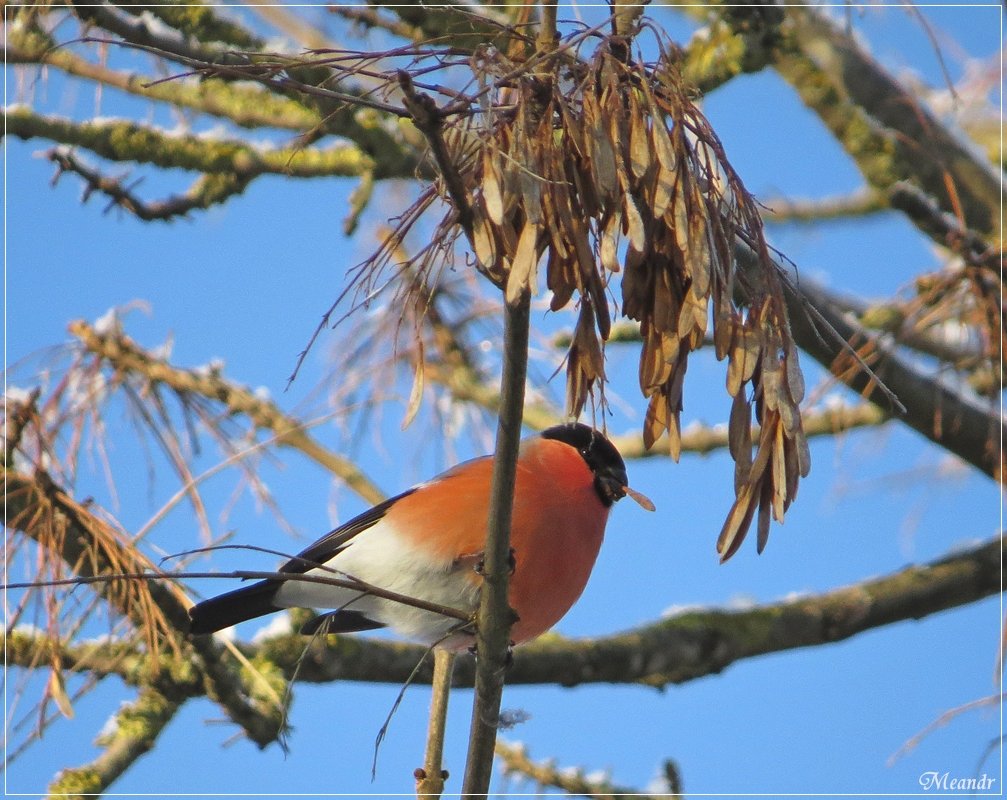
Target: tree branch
[949,416]
[517,763]
[91,548]
[886,130]
[128,141]
[136,728]
[675,649]
[124,354]
[245,106]
[206,191]
[139,30]
[856,204]
[495,615]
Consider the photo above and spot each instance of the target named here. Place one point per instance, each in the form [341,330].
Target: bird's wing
[334,541]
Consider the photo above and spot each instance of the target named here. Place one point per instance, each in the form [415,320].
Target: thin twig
[431,776]
[349,582]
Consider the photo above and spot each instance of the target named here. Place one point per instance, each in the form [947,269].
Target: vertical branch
[430,779]
[547,28]
[495,616]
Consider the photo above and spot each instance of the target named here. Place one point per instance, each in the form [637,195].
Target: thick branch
[249,107]
[128,141]
[139,30]
[676,649]
[887,131]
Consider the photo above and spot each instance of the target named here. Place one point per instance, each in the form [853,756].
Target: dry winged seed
[723,331]
[772,380]
[739,428]
[639,142]
[697,257]
[738,520]
[762,526]
[484,240]
[656,421]
[491,189]
[634,224]
[661,142]
[523,273]
[779,474]
[744,358]
[795,378]
[664,189]
[609,249]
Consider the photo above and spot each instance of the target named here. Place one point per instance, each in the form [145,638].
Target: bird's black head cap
[609,469]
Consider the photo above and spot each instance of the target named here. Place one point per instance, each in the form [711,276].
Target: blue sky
[246,283]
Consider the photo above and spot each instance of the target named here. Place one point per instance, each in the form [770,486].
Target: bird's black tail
[229,609]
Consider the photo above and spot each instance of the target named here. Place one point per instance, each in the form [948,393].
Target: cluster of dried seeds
[607,167]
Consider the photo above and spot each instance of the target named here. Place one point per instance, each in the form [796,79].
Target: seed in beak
[644,501]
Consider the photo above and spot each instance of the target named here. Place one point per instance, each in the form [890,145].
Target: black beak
[611,484]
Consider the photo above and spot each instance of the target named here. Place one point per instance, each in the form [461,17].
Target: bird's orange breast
[556,531]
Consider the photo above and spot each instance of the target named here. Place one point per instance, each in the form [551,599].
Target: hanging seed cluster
[607,169]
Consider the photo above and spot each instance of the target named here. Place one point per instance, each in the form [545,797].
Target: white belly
[381,557]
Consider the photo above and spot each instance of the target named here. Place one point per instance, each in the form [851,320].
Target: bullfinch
[426,544]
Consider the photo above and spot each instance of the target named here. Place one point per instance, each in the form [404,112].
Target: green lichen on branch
[890,134]
[200,22]
[134,731]
[129,141]
[245,106]
[735,42]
